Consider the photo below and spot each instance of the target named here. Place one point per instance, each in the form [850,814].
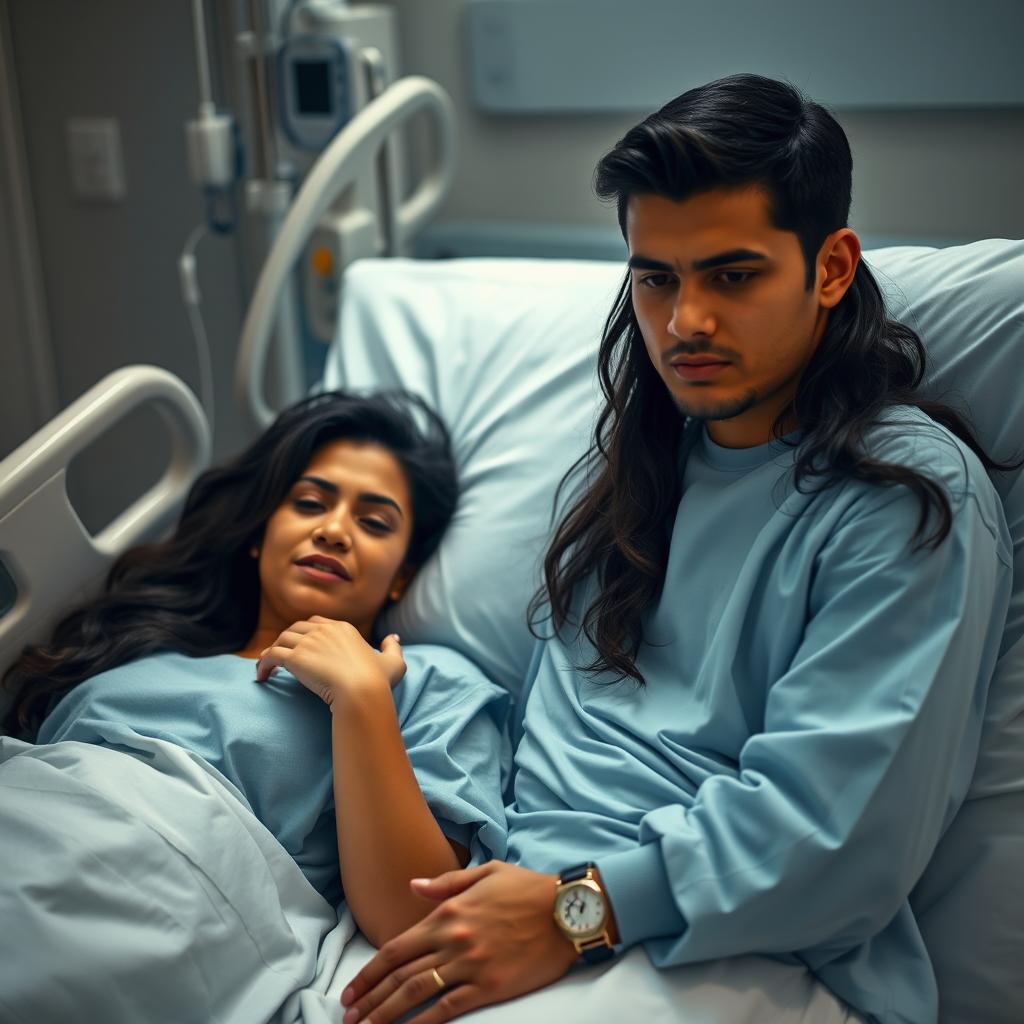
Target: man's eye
[655,280]
[735,276]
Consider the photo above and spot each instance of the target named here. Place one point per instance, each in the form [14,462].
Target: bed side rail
[45,550]
[346,164]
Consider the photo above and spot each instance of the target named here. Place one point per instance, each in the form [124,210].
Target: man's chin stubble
[723,410]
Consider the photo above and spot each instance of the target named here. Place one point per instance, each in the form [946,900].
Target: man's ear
[837,264]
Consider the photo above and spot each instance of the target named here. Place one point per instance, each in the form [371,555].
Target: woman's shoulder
[163,672]
[174,663]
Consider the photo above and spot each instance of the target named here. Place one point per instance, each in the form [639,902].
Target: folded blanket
[137,885]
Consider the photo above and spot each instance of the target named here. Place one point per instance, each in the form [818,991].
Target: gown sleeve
[867,747]
[454,721]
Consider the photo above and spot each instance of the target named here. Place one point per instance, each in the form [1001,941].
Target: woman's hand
[330,657]
[492,938]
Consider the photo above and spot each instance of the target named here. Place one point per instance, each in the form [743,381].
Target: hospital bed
[505,350]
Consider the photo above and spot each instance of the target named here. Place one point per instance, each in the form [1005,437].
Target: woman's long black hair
[737,132]
[198,592]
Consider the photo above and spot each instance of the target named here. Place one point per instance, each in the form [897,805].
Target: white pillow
[506,351]
[967,303]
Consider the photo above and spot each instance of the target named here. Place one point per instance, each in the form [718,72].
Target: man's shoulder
[907,436]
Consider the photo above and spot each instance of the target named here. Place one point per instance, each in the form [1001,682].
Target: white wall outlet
[97,167]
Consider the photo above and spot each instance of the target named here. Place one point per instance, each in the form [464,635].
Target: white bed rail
[51,558]
[346,164]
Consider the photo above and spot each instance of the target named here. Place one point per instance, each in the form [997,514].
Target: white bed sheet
[139,886]
[741,990]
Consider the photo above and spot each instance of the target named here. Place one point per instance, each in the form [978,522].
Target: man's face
[720,295]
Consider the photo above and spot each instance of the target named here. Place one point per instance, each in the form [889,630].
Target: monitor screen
[312,86]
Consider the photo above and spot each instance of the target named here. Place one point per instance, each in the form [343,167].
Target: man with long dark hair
[774,606]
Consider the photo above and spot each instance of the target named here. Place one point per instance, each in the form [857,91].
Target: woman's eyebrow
[366,496]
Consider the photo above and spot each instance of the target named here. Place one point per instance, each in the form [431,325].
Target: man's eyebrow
[646,263]
[367,496]
[708,263]
[725,258]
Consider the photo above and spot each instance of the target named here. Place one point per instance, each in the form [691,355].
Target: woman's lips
[322,574]
[697,371]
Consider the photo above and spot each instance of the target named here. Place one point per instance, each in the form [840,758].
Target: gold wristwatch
[583,913]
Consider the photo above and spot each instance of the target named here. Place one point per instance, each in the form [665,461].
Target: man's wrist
[646,907]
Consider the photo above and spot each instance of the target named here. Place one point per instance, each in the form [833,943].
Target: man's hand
[493,937]
[331,658]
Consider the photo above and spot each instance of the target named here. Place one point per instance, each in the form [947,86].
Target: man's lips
[698,370]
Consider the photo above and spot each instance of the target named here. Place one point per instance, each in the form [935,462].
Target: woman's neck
[263,638]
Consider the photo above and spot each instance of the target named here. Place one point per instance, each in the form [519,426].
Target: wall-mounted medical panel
[618,56]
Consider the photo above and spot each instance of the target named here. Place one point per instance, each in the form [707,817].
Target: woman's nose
[337,531]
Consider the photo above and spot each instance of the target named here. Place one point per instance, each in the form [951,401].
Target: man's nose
[691,315]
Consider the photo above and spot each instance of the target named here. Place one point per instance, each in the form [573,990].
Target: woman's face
[336,545]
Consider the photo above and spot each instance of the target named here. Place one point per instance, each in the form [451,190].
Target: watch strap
[598,953]
[576,872]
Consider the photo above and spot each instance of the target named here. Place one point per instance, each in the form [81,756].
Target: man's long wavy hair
[738,132]
[198,593]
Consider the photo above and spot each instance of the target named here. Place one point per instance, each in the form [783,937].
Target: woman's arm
[387,833]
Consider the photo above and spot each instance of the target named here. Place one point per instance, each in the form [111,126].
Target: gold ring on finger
[437,977]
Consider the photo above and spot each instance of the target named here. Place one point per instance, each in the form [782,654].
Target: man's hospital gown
[809,725]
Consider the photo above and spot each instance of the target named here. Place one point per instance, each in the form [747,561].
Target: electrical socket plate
[97,166]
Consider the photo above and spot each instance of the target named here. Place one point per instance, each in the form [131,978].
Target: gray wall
[943,175]
[110,269]
[19,412]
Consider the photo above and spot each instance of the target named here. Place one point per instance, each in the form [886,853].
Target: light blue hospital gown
[273,741]
[808,729]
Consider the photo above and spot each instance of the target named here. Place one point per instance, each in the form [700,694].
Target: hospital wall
[109,269]
[932,175]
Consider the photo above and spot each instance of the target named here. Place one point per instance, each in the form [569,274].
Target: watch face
[580,909]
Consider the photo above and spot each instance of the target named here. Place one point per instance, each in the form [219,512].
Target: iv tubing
[202,57]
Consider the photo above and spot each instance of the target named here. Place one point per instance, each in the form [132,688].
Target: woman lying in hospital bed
[211,657]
